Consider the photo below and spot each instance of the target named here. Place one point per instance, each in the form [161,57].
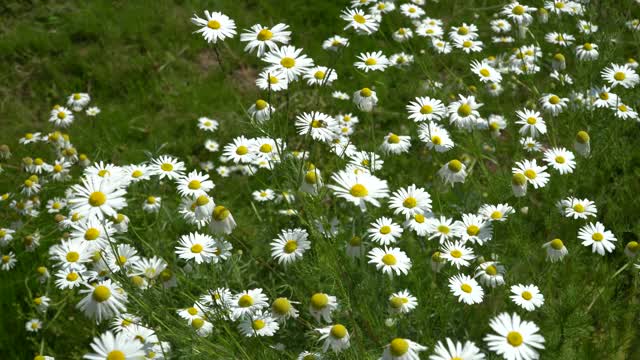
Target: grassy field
[153,78]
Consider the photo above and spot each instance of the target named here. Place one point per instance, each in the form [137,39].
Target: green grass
[153,78]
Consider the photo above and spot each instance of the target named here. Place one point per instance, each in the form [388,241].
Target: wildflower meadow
[267,179]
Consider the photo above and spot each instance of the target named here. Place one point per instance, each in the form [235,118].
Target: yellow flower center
[455,166]
[72,256]
[261,104]
[465,110]
[310,177]
[151,200]
[554,100]
[389,259]
[258,324]
[245,301]
[338,331]
[319,75]
[518,10]
[72,276]
[290,246]
[633,246]
[358,190]
[91,234]
[62,115]
[419,218]
[192,311]
[443,229]
[166,167]
[466,288]
[623,108]
[393,139]
[397,302]
[213,24]
[529,173]
[519,179]
[496,215]
[57,168]
[597,237]
[484,72]
[370,61]
[242,150]
[196,248]
[288,62]
[366,92]
[456,253]
[527,295]
[560,159]
[579,208]
[514,338]
[319,301]
[467,44]
[491,270]
[436,140]
[473,230]
[101,293]
[398,347]
[220,213]
[557,244]
[197,323]
[265,34]
[359,19]
[273,80]
[194,184]
[588,46]
[281,306]
[116,355]
[385,230]
[97,198]
[531,120]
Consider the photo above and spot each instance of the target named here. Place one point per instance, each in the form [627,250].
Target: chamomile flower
[33,325]
[453,172]
[426,109]
[603,98]
[527,297]
[556,250]
[395,144]
[320,126]
[440,228]
[410,201]
[500,26]
[466,289]
[259,324]
[321,306]
[359,189]
[272,80]
[464,112]
[411,11]
[30,138]
[103,300]
[435,136]
[625,112]
[532,123]
[198,247]
[498,212]
[402,349]
[365,99]
[402,302]
[61,116]
[402,34]
[215,26]
[6,235]
[222,220]
[282,309]
[320,75]
[515,339]
[553,104]
[248,302]
[261,110]
[336,338]
[474,228]
[534,174]
[263,195]
[457,254]
[530,144]
[560,159]
[167,166]
[576,208]
[622,75]
[468,46]
[372,61]
[96,233]
[602,241]
[561,39]
[360,21]
[119,346]
[207,124]
[290,245]
[456,350]
[490,273]
[194,184]
[384,231]
[152,204]
[400,60]
[486,72]
[441,46]
[238,150]
[288,60]
[587,52]
[259,38]
[390,261]
[8,261]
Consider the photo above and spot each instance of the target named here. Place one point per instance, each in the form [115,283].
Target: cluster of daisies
[99,256]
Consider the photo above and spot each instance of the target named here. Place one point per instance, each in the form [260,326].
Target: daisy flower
[402,349]
[61,116]
[390,260]
[103,300]
[92,111]
[322,305]
[365,99]
[258,324]
[335,43]
[335,337]
[263,195]
[215,26]
[96,197]
[8,261]
[320,126]
[290,245]
[527,297]
[198,247]
[452,172]
[466,289]
[587,52]
[436,137]
[441,46]
[623,111]
[194,184]
[411,11]
[530,144]
[78,101]
[410,201]
[372,61]
[33,325]
[426,109]
[560,159]
[259,38]
[533,173]
[500,26]
[29,138]
[270,80]
[468,46]
[288,60]
[440,228]
[384,231]
[553,103]
[167,166]
[152,204]
[464,112]
[556,250]
[490,273]
[261,110]
[247,303]
[561,39]
[576,208]
[367,160]
[222,220]
[515,339]
[320,75]
[474,228]
[595,235]
[402,302]
[496,212]
[238,150]
[359,189]
[395,144]
[457,254]
[282,309]
[96,233]
[622,75]
[119,346]
[486,72]
[360,21]
[206,124]
[456,350]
